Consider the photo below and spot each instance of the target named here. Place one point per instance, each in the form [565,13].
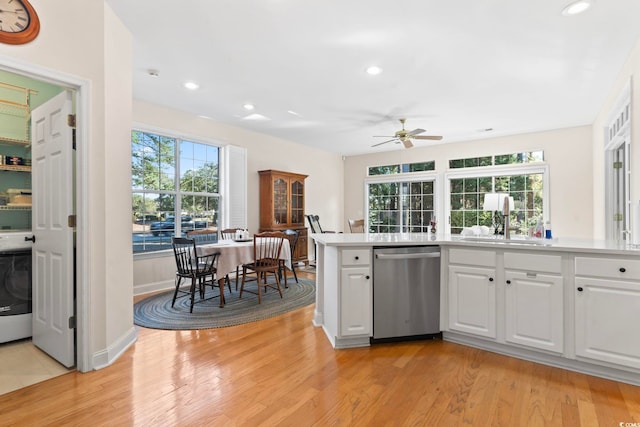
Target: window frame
[492,171]
[407,177]
[179,137]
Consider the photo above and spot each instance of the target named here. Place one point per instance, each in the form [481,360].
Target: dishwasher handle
[409,256]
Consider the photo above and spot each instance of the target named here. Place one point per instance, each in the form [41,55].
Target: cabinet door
[280,200]
[534,310]
[355,301]
[472,300]
[607,326]
[297,202]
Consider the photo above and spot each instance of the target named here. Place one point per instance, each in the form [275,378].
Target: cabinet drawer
[615,268]
[356,257]
[533,262]
[472,257]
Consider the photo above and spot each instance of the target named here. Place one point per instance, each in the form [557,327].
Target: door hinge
[618,217]
[617,165]
[71,221]
[71,120]
[72,322]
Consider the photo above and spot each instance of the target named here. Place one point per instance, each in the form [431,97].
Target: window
[466,190]
[172,178]
[401,205]
[403,168]
[501,159]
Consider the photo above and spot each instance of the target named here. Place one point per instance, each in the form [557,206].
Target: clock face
[19,22]
[13,16]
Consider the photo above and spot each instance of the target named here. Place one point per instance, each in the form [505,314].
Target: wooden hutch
[282,207]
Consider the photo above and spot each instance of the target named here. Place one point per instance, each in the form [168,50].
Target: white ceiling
[451,67]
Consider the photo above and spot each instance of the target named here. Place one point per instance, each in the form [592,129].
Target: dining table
[234,253]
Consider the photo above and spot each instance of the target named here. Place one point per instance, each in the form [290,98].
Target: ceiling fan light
[374,70]
[576,7]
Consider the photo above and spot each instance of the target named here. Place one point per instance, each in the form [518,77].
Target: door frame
[82,89]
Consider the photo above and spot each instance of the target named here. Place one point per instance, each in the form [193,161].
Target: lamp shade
[491,202]
[495,202]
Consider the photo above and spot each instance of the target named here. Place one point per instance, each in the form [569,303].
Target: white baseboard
[106,357]
[148,288]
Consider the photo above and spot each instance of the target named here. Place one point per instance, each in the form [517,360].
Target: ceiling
[454,68]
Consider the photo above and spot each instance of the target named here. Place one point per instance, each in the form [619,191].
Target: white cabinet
[534,289]
[607,310]
[355,293]
[355,304]
[472,292]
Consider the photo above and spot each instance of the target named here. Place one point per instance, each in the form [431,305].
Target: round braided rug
[156,312]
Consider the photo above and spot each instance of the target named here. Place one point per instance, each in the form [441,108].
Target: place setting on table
[213,302]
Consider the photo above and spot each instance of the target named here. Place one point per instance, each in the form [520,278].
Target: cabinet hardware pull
[357,258]
[508,282]
[366,277]
[622,269]
[580,289]
[32,238]
[491,279]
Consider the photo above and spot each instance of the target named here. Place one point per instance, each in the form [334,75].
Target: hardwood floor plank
[283,371]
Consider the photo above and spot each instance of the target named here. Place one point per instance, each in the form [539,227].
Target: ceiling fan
[405,136]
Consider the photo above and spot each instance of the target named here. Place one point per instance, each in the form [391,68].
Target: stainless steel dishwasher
[406,293]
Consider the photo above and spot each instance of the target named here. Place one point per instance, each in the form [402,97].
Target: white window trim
[613,141]
[402,177]
[485,171]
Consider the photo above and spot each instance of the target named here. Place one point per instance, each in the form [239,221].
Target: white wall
[566,151]
[323,187]
[631,69]
[83,40]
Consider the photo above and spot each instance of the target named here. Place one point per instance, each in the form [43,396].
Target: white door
[607,326]
[472,300]
[534,310]
[356,303]
[53,287]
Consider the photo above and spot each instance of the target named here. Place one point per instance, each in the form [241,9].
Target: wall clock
[19,22]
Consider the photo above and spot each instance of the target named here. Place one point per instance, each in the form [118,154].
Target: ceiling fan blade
[415,132]
[383,142]
[383,136]
[433,137]
[407,143]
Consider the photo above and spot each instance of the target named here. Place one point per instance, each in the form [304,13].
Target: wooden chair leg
[193,293]
[278,283]
[244,274]
[175,293]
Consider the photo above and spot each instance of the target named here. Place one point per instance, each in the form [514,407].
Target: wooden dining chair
[266,259]
[356,225]
[195,268]
[207,235]
[293,236]
[230,234]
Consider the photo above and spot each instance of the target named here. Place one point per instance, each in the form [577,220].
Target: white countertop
[410,239]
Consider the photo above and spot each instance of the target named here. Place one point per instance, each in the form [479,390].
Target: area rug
[156,312]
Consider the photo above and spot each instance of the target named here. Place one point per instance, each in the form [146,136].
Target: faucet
[505,212]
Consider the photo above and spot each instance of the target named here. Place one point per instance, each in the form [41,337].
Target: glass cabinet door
[280,196]
[297,202]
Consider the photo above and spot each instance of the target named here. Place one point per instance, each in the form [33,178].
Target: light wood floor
[283,371]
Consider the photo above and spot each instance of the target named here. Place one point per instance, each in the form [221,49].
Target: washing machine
[15,285]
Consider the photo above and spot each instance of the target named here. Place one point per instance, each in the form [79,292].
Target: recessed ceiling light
[374,70]
[576,7]
[249,106]
[293,113]
[256,117]
[153,73]
[191,85]
[205,117]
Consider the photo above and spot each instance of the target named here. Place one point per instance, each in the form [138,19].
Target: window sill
[151,255]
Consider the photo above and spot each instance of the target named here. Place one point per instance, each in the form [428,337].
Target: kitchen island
[569,303]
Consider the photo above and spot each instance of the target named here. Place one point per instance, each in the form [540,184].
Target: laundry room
[25,363]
